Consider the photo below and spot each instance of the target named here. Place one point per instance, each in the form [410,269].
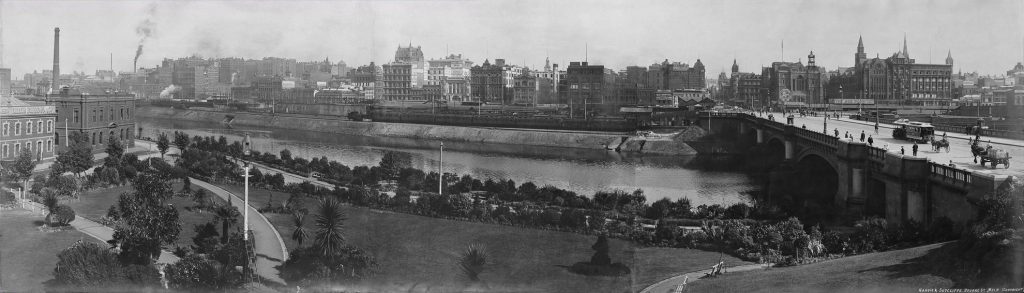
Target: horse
[939,144]
[977,150]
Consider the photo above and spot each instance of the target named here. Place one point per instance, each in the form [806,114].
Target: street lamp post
[245,208]
[440,169]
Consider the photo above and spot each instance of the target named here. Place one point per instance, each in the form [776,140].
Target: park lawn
[906,270]
[419,252]
[27,255]
[93,205]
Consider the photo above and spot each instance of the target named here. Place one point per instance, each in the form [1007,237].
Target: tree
[78,157]
[393,162]
[50,201]
[286,155]
[472,262]
[600,248]
[163,144]
[63,215]
[205,240]
[227,216]
[146,223]
[114,152]
[181,141]
[23,166]
[329,222]
[300,234]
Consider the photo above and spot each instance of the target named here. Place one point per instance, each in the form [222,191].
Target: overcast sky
[984,36]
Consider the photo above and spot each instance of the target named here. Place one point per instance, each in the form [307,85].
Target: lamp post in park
[246,167]
[440,169]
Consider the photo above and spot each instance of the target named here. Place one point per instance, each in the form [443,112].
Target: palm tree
[329,223]
[472,262]
[227,216]
[50,201]
[300,234]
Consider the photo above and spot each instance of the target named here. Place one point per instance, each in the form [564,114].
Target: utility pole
[440,169]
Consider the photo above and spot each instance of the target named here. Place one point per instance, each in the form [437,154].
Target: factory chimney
[55,80]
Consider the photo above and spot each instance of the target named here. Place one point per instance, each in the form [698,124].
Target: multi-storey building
[99,117]
[745,89]
[793,84]
[530,90]
[584,87]
[670,76]
[897,79]
[551,73]
[368,79]
[397,82]
[26,127]
[452,74]
[488,83]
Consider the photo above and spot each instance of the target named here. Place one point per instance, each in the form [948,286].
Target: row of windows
[37,127]
[122,114]
[11,151]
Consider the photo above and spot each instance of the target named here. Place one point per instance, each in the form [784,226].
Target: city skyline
[614,34]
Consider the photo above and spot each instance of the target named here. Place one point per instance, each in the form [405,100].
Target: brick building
[25,126]
[99,117]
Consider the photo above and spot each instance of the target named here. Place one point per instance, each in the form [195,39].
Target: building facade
[896,80]
[452,74]
[675,75]
[488,83]
[26,127]
[99,117]
[793,84]
[584,87]
[397,82]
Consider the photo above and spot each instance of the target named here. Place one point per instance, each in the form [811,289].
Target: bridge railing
[951,174]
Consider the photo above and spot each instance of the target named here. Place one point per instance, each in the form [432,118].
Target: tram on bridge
[919,132]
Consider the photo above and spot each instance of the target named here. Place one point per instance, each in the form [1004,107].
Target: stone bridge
[861,180]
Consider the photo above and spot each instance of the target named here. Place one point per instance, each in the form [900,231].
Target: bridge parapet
[952,175]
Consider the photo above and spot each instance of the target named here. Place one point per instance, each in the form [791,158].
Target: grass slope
[27,255]
[905,270]
[418,253]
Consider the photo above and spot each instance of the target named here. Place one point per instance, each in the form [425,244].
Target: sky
[983,36]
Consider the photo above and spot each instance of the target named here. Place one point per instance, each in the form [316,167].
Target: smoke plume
[145,30]
[171,89]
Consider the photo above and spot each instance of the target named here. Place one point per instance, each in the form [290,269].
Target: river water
[579,170]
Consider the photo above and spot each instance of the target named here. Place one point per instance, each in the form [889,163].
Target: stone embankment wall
[674,145]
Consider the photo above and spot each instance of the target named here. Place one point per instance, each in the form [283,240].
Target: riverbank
[547,138]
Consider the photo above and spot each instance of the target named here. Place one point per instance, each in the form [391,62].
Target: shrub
[63,215]
[7,197]
[90,265]
[194,272]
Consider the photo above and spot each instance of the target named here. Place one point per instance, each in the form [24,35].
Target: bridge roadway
[959,147]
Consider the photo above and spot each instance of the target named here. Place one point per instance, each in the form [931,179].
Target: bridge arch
[815,182]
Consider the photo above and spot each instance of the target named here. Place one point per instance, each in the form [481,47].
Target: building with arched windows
[25,126]
[99,117]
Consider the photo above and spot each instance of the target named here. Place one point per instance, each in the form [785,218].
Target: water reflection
[580,170]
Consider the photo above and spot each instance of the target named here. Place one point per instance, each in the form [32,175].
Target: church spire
[860,44]
[949,57]
[905,52]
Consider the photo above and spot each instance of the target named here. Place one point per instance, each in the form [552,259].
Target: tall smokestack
[55,80]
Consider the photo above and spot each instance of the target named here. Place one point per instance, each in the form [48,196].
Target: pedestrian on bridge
[847,135]
[837,132]
[902,151]
[915,149]
[804,126]
[871,141]
[862,136]
[876,128]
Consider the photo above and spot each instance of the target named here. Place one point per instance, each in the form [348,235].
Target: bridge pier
[789,149]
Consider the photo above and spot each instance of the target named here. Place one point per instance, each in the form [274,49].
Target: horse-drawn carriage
[991,155]
[940,144]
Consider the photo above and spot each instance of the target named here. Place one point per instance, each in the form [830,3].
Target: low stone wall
[550,138]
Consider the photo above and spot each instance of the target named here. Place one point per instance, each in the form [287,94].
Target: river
[579,170]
